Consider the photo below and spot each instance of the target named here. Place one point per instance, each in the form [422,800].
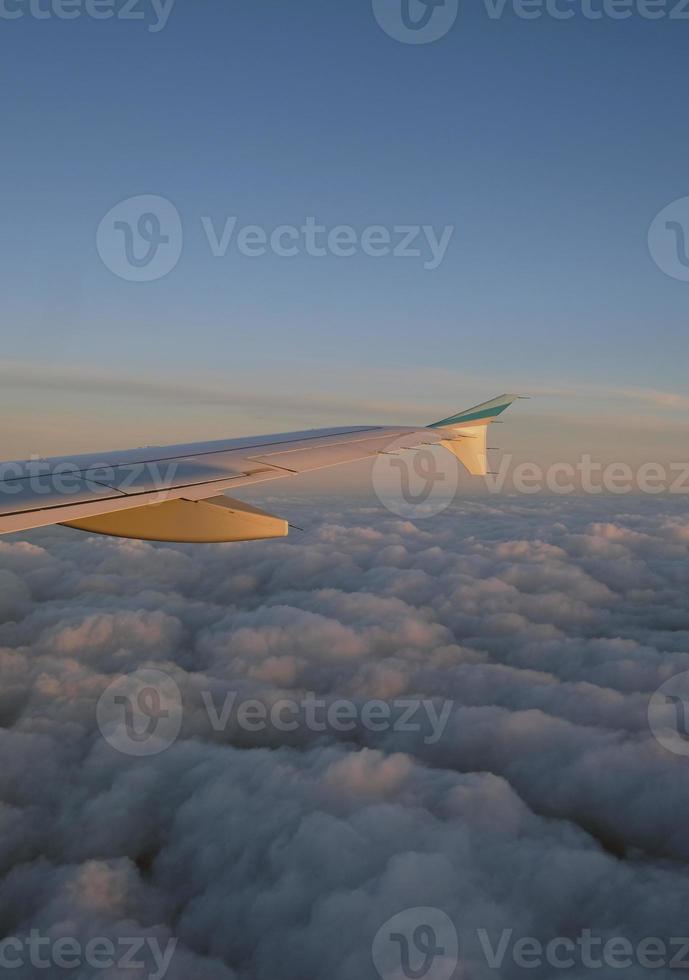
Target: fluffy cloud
[545,806]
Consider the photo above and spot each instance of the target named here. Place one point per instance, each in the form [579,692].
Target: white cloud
[546,806]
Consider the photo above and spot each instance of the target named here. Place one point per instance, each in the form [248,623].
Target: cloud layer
[545,807]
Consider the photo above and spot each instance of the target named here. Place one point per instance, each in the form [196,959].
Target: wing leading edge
[174,493]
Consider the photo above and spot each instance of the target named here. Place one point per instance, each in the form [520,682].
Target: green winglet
[486,410]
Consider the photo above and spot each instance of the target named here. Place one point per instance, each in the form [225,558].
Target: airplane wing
[176,493]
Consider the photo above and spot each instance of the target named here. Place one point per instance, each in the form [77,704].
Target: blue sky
[548,145]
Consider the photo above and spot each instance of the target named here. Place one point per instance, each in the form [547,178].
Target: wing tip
[483,412]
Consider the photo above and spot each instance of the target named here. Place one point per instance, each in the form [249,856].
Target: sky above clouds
[549,146]
[545,806]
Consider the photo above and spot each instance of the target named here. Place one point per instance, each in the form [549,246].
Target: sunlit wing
[176,493]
